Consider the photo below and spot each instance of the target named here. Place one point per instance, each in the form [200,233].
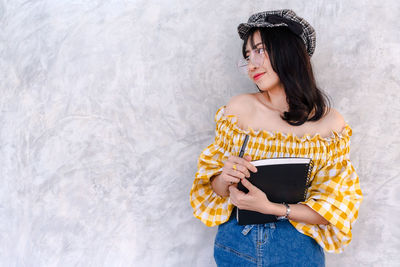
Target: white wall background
[106,105]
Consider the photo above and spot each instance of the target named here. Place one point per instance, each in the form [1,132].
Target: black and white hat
[279,18]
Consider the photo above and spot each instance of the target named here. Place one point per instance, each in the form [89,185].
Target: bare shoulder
[334,121]
[240,105]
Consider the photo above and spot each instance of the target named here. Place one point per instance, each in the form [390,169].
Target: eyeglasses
[256,58]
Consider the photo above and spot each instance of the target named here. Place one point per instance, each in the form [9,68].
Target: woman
[288,117]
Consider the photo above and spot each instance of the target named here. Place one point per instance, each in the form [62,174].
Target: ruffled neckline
[232,121]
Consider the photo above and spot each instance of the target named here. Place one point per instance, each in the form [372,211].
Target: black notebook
[282,179]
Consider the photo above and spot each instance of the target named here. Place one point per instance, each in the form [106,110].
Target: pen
[242,149]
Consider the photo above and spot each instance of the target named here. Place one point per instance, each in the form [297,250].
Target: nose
[251,66]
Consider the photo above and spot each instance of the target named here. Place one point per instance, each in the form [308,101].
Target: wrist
[276,209]
[218,186]
[287,212]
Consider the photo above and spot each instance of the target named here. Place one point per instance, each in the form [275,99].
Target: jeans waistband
[247,228]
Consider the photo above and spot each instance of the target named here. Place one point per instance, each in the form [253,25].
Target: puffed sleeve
[209,207]
[336,195]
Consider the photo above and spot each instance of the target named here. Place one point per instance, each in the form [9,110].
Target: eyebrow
[246,51]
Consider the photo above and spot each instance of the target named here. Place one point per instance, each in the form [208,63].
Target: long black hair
[289,59]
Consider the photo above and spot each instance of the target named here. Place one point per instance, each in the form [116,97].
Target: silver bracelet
[286,216]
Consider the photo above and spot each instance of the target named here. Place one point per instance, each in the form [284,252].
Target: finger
[232,194]
[247,163]
[232,180]
[243,162]
[242,169]
[231,188]
[250,165]
[247,184]
[234,191]
[229,179]
[235,173]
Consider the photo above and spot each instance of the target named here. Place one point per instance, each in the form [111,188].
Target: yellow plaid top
[334,192]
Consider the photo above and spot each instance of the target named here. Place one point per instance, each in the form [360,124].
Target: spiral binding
[308,172]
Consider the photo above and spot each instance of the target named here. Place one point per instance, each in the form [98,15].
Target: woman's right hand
[235,169]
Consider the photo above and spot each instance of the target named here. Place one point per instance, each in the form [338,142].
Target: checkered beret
[278,18]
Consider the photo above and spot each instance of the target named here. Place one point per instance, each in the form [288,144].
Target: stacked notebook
[282,179]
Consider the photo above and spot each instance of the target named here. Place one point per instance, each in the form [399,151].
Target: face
[263,75]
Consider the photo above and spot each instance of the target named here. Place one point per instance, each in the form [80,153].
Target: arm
[256,200]
[298,213]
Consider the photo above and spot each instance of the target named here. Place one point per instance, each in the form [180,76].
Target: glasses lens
[242,63]
[257,59]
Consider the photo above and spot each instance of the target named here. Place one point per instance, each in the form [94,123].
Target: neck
[276,99]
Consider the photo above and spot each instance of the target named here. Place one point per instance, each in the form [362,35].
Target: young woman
[288,117]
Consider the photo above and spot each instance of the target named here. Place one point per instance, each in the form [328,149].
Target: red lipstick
[258,76]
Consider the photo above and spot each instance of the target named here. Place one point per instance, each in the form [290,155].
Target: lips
[258,76]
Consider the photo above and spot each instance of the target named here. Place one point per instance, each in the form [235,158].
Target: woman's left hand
[255,199]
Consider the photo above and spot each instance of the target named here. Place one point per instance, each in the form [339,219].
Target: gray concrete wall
[106,105]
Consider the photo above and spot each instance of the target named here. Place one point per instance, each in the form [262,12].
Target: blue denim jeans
[270,244]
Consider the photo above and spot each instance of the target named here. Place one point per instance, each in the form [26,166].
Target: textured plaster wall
[105,106]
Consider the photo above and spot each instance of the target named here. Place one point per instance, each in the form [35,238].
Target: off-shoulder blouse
[334,191]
